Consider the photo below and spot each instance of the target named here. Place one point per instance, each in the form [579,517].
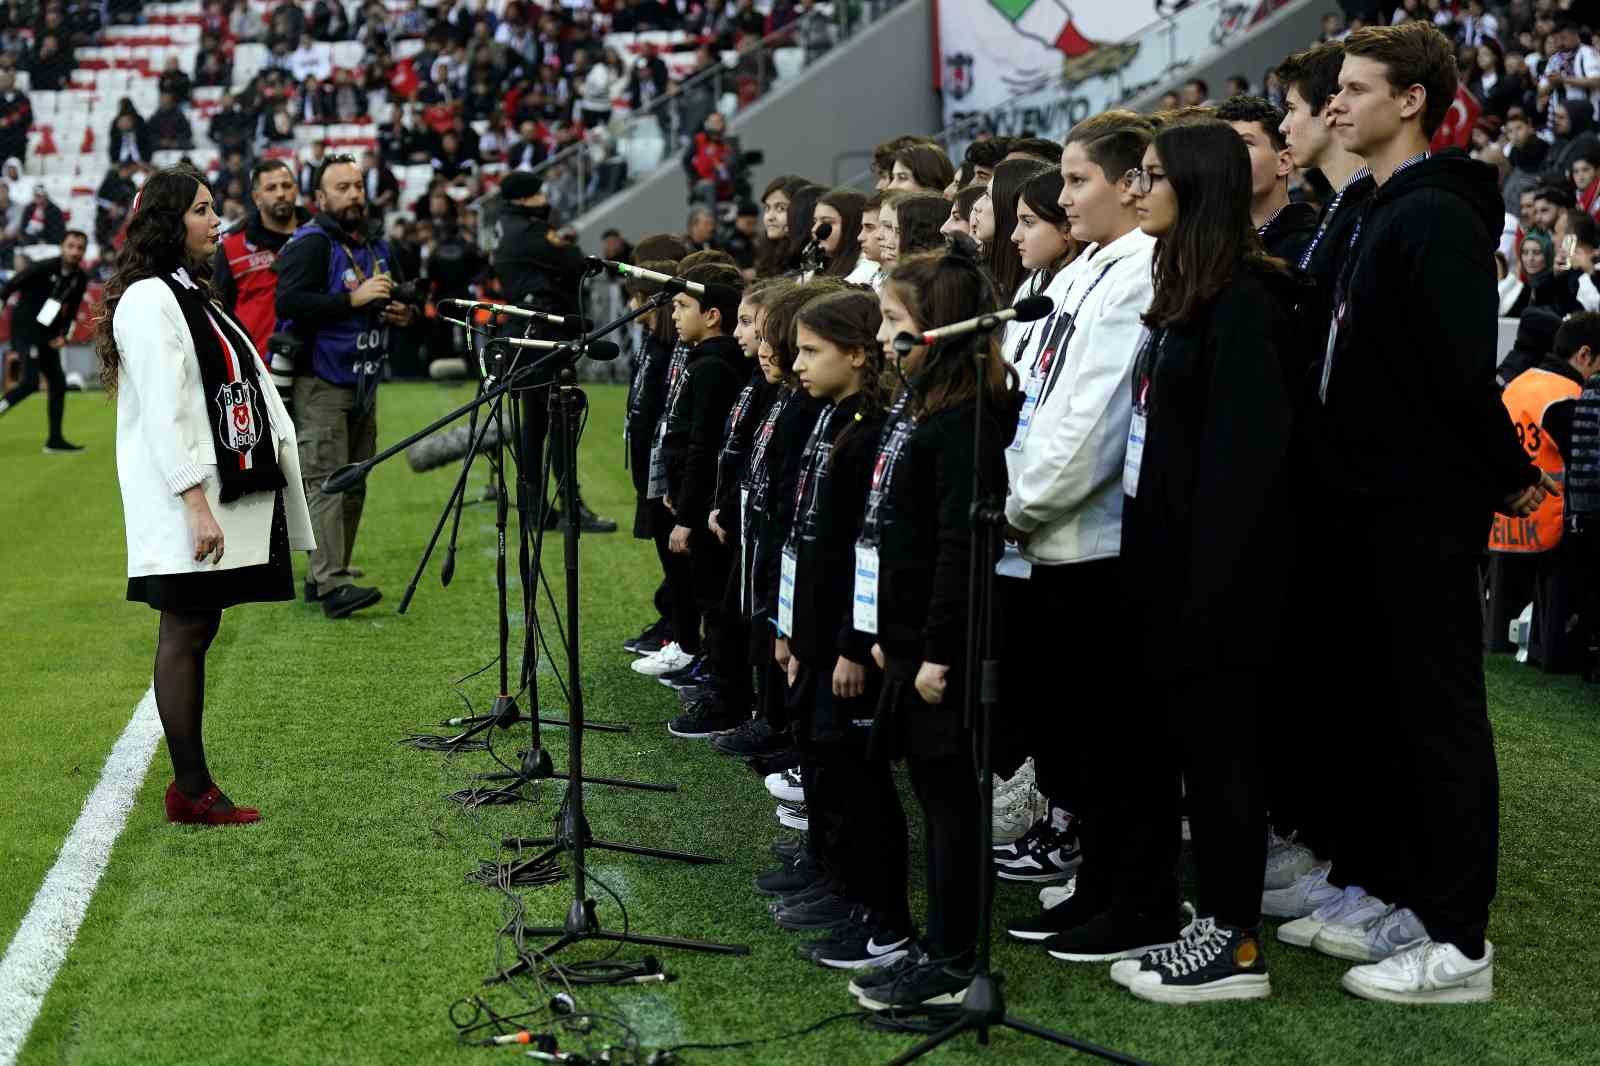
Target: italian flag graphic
[1047,21]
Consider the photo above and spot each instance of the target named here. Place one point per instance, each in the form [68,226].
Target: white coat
[1066,485]
[165,446]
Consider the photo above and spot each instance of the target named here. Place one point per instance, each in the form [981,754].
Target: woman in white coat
[206,458]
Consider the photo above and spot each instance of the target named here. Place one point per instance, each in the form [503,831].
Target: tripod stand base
[581,924]
[611,845]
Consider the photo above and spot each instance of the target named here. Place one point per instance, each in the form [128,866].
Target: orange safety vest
[1528,396]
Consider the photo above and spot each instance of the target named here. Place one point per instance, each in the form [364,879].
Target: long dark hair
[919,215]
[778,328]
[1005,263]
[157,237]
[769,253]
[941,287]
[849,204]
[1209,171]
[1042,194]
[849,318]
[802,210]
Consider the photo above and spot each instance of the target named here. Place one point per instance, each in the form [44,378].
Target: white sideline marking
[51,924]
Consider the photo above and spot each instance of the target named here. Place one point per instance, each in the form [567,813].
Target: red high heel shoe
[181,808]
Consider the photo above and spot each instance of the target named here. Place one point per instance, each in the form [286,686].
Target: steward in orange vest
[1527,398]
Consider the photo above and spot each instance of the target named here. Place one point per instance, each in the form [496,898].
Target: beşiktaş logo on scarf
[238,425]
[1045,65]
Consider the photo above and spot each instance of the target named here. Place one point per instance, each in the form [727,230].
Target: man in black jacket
[1283,226]
[1412,343]
[539,275]
[16,118]
[51,291]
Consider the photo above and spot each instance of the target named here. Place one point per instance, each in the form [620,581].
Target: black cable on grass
[757,1041]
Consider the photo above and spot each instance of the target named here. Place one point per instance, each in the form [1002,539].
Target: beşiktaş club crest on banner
[238,426]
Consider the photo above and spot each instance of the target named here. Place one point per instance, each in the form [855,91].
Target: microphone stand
[572,829]
[983,1007]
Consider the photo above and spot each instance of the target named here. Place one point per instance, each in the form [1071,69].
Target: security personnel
[1548,574]
[51,291]
[334,289]
[242,275]
[540,275]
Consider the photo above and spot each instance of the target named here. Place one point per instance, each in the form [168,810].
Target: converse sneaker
[1123,970]
[794,816]
[1425,972]
[1286,861]
[755,736]
[1109,935]
[869,942]
[1305,894]
[1215,962]
[1352,907]
[786,786]
[868,981]
[1389,934]
[671,657]
[704,719]
[929,985]
[656,635]
[1051,854]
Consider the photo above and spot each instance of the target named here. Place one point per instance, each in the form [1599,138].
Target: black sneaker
[823,913]
[685,670]
[61,446]
[346,600]
[698,674]
[1214,962]
[928,985]
[1111,935]
[588,521]
[755,737]
[312,595]
[1044,853]
[785,849]
[862,944]
[1069,913]
[821,888]
[867,982]
[656,635]
[793,876]
[704,719]
[777,762]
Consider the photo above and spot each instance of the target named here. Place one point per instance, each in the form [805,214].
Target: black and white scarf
[247,448]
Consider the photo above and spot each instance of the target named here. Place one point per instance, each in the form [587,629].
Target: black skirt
[212,591]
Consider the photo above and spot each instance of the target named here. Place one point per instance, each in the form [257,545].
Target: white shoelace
[1196,951]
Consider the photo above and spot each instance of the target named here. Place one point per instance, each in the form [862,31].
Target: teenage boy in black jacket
[1412,341]
[1282,225]
[51,291]
[714,373]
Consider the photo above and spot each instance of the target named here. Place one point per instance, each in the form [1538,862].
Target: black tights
[180,682]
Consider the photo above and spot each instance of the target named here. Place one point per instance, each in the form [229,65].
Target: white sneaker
[1017,816]
[1352,906]
[1055,895]
[1005,790]
[795,816]
[672,657]
[1395,930]
[1425,972]
[785,785]
[1286,861]
[1308,892]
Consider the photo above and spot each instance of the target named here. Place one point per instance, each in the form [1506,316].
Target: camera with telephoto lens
[283,351]
[408,292]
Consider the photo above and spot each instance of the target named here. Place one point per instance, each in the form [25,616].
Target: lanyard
[1328,216]
[883,468]
[814,462]
[1027,338]
[757,478]
[1145,367]
[1072,327]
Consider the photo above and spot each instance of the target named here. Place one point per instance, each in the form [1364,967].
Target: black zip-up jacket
[695,424]
[1322,270]
[769,525]
[924,550]
[747,412]
[647,400]
[533,272]
[825,541]
[1413,428]
[1286,234]
[40,282]
[1208,537]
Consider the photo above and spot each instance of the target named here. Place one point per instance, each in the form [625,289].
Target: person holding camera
[337,295]
[51,291]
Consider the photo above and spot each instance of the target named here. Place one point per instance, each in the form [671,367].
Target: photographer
[51,291]
[539,274]
[336,293]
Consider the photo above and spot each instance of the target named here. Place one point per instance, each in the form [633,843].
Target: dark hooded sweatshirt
[1286,233]
[1412,430]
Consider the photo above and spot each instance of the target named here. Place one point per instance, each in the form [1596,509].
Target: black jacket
[772,497]
[1413,420]
[825,540]
[40,282]
[747,413]
[647,399]
[695,424]
[924,551]
[533,272]
[1207,538]
[1286,233]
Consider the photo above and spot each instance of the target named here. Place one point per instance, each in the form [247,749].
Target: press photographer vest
[1527,398]
[352,349]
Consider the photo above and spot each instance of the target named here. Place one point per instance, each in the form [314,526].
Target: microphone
[518,312]
[599,351]
[1026,310]
[823,231]
[720,293]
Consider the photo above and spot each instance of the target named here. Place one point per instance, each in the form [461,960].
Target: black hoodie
[1286,233]
[695,423]
[1412,428]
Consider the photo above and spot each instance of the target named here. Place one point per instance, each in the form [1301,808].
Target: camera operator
[539,274]
[337,294]
[51,291]
[242,275]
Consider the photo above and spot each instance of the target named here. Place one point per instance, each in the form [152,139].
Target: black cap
[519,184]
[1536,331]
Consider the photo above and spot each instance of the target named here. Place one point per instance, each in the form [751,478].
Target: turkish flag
[1456,129]
[404,82]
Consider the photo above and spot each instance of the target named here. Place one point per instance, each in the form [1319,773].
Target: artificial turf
[340,929]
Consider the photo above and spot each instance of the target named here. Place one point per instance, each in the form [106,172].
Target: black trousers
[1431,763]
[1509,580]
[679,580]
[44,361]
[1558,643]
[732,648]
[947,789]
[709,562]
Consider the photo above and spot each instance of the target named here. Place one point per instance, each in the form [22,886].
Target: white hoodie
[1066,481]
